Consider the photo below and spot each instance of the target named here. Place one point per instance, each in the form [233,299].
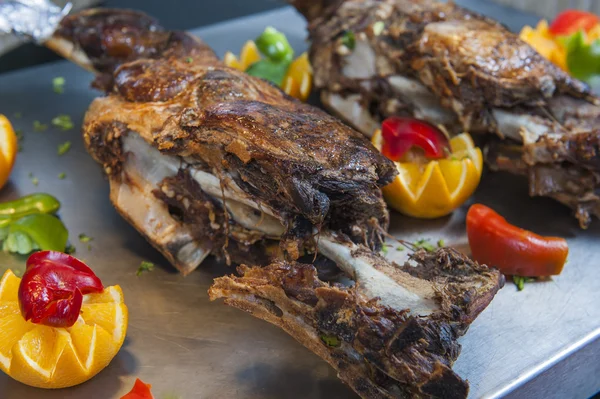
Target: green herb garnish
[520,281]
[400,249]
[62,122]
[145,266]
[62,175]
[18,115]
[64,148]
[440,243]
[384,249]
[84,238]
[19,134]
[331,340]
[349,40]
[378,28]
[189,60]
[39,126]
[33,179]
[58,84]
[70,249]
[425,244]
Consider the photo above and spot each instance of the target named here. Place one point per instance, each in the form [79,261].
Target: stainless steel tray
[186,346]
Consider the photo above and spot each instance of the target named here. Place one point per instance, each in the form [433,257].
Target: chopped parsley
[70,249]
[63,122]
[62,175]
[84,238]
[64,148]
[440,243]
[39,126]
[19,134]
[349,40]
[58,85]
[400,248]
[18,115]
[188,60]
[384,249]
[145,266]
[34,180]
[330,340]
[378,28]
[520,281]
[425,244]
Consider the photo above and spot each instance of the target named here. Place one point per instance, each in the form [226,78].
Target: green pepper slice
[46,232]
[30,204]
[274,45]
[269,70]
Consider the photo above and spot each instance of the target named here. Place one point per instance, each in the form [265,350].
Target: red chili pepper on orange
[52,288]
[513,250]
[401,134]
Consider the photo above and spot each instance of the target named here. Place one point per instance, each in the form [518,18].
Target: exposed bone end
[69,51]
[351,110]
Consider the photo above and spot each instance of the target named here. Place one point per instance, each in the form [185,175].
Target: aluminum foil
[32,19]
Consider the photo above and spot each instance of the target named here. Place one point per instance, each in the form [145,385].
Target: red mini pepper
[571,21]
[52,288]
[140,390]
[401,134]
[514,251]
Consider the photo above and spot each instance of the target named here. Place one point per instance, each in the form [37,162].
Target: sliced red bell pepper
[514,251]
[401,134]
[572,21]
[140,390]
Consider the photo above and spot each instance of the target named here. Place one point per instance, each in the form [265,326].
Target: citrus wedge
[8,149]
[249,54]
[50,357]
[434,189]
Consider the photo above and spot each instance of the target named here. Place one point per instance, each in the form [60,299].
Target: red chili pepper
[52,288]
[571,21]
[401,134]
[514,251]
[140,390]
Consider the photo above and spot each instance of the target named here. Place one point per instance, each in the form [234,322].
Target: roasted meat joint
[452,67]
[204,159]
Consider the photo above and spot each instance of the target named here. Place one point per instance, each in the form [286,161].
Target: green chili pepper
[45,232]
[274,45]
[30,204]
[269,70]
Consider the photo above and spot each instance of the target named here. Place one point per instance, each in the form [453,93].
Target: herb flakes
[440,243]
[520,281]
[62,175]
[189,60]
[331,340]
[62,122]
[18,115]
[34,180]
[145,266]
[84,238]
[425,244]
[58,85]
[70,249]
[349,40]
[39,126]
[384,249]
[63,148]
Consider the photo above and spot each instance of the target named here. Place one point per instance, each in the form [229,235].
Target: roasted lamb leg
[204,159]
[439,62]
[393,334]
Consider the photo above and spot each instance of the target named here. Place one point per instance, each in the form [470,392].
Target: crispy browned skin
[473,68]
[307,167]
[379,351]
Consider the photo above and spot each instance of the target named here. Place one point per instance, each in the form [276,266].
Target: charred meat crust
[379,351]
[105,139]
[288,156]
[470,65]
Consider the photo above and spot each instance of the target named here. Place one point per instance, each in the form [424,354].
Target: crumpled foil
[34,19]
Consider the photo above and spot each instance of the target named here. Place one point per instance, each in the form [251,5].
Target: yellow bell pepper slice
[8,149]
[438,187]
[297,81]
